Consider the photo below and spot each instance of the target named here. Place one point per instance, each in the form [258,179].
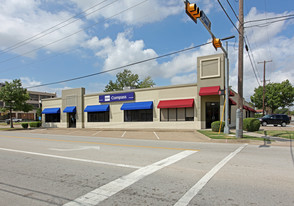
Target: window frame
[187,119]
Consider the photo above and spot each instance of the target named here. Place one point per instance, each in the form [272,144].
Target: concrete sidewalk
[167,135]
[148,134]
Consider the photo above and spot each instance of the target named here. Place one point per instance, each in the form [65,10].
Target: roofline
[142,89]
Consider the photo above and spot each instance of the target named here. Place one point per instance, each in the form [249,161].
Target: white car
[13,119]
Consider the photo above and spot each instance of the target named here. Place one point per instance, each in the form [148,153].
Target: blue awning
[137,106]
[97,108]
[70,109]
[51,111]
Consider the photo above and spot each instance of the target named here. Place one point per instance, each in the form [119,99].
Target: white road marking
[156,135]
[76,149]
[98,195]
[124,134]
[204,180]
[96,133]
[71,158]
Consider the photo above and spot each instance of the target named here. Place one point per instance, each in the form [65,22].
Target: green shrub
[251,124]
[35,124]
[215,126]
[25,125]
[257,115]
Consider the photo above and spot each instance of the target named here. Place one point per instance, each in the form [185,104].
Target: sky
[44,41]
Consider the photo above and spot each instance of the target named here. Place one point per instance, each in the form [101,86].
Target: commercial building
[35,101]
[188,106]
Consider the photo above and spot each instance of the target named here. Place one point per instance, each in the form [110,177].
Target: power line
[255,66]
[233,11]
[268,23]
[273,18]
[44,46]
[239,33]
[228,16]
[37,36]
[117,68]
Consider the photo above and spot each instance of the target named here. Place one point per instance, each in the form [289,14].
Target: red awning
[206,91]
[245,107]
[232,102]
[179,103]
[252,110]
[232,93]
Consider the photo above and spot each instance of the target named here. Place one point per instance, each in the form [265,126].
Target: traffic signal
[216,43]
[193,11]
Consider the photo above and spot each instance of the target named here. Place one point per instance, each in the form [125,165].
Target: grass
[215,135]
[282,134]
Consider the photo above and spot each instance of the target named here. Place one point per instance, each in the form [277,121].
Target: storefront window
[144,115]
[52,117]
[98,116]
[177,114]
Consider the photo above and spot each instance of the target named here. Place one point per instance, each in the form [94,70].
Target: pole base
[227,130]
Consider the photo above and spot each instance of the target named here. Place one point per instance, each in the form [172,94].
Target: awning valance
[207,91]
[178,103]
[51,111]
[137,106]
[232,102]
[70,109]
[97,108]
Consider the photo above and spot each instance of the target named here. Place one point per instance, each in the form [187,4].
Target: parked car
[13,119]
[275,119]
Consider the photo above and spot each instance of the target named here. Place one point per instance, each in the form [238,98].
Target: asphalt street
[50,169]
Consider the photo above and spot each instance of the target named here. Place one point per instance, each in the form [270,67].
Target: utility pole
[263,97]
[239,126]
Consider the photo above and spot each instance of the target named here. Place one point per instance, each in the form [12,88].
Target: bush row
[32,125]
[215,126]
[249,124]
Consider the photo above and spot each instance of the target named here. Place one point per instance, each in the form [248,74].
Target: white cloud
[21,20]
[181,68]
[262,34]
[147,12]
[190,78]
[122,52]
[29,82]
[266,44]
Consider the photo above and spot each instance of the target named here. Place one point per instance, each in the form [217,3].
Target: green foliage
[276,95]
[127,79]
[215,126]
[25,125]
[14,96]
[257,115]
[35,124]
[282,111]
[251,124]
[39,112]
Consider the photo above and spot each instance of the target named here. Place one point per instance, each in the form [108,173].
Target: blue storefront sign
[117,97]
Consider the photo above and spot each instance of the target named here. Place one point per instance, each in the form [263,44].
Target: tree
[127,79]
[39,113]
[14,97]
[282,111]
[27,107]
[276,95]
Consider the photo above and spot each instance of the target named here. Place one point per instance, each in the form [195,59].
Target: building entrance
[72,120]
[212,113]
